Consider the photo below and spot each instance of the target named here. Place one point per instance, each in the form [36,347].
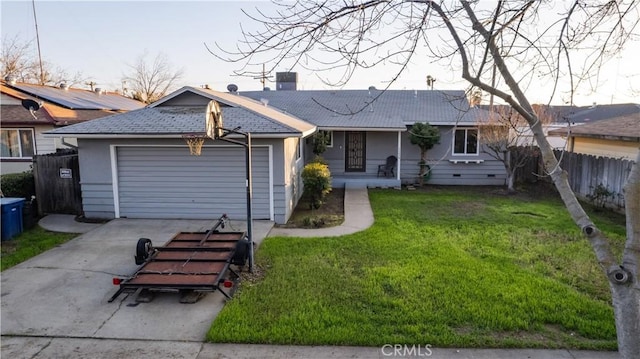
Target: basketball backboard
[213,120]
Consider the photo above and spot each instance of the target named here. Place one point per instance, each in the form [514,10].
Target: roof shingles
[173,120]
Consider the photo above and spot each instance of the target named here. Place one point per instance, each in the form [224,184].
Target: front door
[355,150]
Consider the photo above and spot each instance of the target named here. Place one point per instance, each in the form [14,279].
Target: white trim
[33,142]
[145,136]
[466,161]
[114,180]
[271,200]
[330,137]
[361,129]
[453,141]
[114,172]
[446,123]
[399,155]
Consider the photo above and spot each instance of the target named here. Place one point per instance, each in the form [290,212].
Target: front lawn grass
[29,244]
[447,267]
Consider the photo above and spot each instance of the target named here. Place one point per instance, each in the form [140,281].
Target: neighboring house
[563,116]
[617,137]
[22,132]
[137,164]
[367,126]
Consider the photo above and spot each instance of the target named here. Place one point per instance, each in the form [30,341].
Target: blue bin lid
[10,200]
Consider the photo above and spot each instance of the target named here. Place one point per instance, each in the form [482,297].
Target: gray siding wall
[96,176]
[444,170]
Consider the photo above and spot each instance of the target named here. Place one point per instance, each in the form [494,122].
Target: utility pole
[35,20]
[263,78]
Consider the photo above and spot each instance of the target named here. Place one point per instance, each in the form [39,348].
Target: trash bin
[11,217]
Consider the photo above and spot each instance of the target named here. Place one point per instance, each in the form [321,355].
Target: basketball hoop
[195,142]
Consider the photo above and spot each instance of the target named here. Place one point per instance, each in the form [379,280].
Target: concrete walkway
[357,217]
[66,223]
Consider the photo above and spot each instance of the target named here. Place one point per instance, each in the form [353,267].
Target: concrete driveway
[64,292]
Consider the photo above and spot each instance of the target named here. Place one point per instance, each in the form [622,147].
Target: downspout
[68,144]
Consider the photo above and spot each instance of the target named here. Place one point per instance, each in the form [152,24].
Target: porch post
[399,155]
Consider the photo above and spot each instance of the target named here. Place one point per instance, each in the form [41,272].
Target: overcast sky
[100,39]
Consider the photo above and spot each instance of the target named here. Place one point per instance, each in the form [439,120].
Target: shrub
[314,222]
[319,159]
[21,185]
[317,183]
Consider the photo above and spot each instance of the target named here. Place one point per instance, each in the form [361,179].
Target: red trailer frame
[190,261]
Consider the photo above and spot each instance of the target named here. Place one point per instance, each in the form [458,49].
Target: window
[298,149]
[17,143]
[328,136]
[465,141]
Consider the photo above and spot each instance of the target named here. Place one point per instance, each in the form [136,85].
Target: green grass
[446,267]
[29,244]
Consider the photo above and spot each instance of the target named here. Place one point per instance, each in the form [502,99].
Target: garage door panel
[167,182]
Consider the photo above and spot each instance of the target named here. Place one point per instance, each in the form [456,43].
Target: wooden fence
[57,179]
[599,179]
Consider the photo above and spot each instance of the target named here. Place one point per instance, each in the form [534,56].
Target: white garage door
[167,182]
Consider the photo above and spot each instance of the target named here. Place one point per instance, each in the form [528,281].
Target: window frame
[33,143]
[466,139]
[298,153]
[330,141]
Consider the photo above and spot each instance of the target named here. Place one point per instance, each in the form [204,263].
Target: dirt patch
[330,214]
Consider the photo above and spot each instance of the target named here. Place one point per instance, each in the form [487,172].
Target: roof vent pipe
[64,86]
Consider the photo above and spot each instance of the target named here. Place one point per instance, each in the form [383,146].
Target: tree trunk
[626,295]
[511,177]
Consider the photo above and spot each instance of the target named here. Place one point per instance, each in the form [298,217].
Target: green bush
[317,183]
[21,185]
[319,159]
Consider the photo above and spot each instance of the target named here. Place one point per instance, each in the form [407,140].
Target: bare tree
[16,59]
[19,62]
[506,137]
[499,47]
[150,80]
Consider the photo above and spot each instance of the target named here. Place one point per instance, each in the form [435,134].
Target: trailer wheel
[143,250]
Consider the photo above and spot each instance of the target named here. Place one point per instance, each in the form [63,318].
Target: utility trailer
[192,263]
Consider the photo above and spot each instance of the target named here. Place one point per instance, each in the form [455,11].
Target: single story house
[137,165]
[22,132]
[367,126]
[617,137]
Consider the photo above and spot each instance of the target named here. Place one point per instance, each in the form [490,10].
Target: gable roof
[77,99]
[373,109]
[163,120]
[623,128]
[234,100]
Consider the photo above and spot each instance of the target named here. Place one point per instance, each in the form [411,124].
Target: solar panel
[81,99]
